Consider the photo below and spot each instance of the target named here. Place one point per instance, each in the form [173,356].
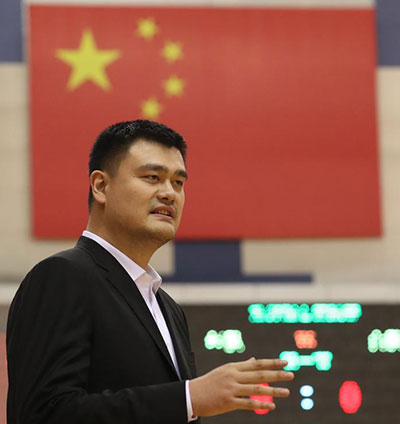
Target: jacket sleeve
[48,352]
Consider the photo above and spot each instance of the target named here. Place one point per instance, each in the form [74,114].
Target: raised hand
[228,387]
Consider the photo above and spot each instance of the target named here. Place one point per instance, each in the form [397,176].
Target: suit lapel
[180,351]
[127,288]
[120,279]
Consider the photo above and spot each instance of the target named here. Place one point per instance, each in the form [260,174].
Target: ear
[98,182]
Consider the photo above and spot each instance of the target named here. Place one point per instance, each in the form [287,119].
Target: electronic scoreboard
[346,358]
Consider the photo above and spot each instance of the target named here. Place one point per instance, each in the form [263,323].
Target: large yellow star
[88,63]
[147,28]
[151,108]
[172,51]
[173,86]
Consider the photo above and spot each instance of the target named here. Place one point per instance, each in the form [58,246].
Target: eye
[179,183]
[152,178]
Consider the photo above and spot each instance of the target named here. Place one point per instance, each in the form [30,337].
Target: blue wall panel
[220,261]
[10,31]
[388,21]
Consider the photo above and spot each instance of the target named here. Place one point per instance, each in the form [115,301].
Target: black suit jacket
[83,347]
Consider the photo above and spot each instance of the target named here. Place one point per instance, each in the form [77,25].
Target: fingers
[238,386]
[258,390]
[253,404]
[261,364]
[256,377]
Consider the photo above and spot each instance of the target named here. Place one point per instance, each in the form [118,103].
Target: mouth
[165,212]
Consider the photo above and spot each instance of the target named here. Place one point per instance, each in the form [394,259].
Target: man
[91,337]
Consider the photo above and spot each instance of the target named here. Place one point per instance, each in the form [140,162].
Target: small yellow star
[172,51]
[174,86]
[151,108]
[147,28]
[88,63]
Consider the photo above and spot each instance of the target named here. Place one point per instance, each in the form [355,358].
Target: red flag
[277,106]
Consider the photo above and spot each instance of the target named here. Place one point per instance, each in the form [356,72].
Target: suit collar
[131,267]
[122,282]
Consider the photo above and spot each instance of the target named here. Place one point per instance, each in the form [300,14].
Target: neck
[137,250]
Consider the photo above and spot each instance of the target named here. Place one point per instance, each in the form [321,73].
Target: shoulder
[68,261]
[54,290]
[67,268]
[71,258]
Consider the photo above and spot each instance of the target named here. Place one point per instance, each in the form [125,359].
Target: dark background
[378,374]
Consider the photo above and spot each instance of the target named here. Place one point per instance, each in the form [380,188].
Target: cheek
[125,200]
[180,204]
[181,200]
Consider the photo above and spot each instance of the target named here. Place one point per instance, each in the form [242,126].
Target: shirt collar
[144,278]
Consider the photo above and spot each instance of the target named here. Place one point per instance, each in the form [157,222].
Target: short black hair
[113,143]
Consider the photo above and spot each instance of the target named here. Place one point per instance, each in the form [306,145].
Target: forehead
[146,151]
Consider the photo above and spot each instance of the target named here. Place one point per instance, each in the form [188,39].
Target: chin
[164,235]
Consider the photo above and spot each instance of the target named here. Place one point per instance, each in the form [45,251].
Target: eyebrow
[161,168]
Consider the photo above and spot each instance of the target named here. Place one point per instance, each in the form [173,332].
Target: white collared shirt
[148,282]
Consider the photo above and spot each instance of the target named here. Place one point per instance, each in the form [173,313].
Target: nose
[166,192]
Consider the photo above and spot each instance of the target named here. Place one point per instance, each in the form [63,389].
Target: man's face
[145,198]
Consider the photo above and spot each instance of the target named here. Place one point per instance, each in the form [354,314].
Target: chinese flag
[277,106]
